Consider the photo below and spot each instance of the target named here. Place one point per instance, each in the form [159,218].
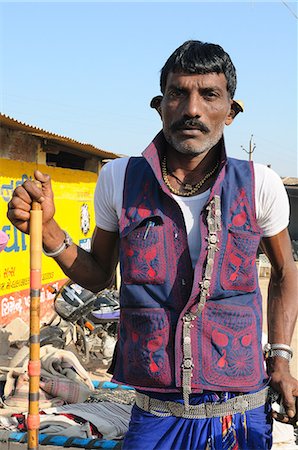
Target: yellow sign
[73,192]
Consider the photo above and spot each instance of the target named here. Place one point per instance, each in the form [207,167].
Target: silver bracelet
[282,350]
[65,244]
[285,347]
[281,353]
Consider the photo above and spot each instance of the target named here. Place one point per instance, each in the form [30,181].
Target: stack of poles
[33,420]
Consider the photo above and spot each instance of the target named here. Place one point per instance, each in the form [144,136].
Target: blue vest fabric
[159,285]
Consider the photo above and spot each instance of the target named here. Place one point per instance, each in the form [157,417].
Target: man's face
[194,110]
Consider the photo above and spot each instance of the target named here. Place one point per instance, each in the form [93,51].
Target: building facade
[73,168]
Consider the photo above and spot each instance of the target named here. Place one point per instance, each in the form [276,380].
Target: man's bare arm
[94,270]
[282,314]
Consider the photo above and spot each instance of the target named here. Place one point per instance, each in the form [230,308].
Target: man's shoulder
[115,166]
[263,174]
[257,166]
[267,177]
[122,162]
[118,162]
[235,161]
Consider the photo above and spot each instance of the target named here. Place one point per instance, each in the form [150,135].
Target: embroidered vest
[182,328]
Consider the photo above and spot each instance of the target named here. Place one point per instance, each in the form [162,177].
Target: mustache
[193,123]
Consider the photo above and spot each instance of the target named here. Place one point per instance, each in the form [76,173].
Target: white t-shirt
[272,204]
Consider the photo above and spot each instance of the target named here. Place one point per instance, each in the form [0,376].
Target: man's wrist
[52,237]
[67,242]
[277,367]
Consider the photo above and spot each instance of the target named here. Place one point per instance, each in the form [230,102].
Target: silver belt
[238,404]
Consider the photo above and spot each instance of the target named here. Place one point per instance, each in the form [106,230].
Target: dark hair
[200,57]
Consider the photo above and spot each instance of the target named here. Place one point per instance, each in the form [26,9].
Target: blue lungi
[251,430]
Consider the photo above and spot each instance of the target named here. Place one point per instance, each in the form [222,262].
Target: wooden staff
[33,420]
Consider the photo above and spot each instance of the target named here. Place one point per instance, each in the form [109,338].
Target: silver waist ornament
[214,226]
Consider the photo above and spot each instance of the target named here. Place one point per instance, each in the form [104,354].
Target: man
[188,222]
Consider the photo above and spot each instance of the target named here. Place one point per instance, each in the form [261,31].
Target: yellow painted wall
[72,189]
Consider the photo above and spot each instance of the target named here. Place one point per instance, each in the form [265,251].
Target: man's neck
[193,166]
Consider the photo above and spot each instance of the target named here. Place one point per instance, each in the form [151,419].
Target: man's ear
[156,103]
[230,117]
[236,107]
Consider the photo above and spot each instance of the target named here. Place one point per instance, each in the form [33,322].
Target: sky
[88,70]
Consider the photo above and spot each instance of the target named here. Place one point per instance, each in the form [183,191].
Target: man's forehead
[212,79]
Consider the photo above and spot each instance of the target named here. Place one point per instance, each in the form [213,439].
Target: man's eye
[175,93]
[210,95]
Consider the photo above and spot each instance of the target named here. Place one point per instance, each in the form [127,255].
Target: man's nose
[193,106]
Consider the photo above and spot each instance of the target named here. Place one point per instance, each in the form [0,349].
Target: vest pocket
[230,346]
[238,268]
[144,347]
[143,253]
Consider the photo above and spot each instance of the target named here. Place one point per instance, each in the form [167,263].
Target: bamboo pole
[33,420]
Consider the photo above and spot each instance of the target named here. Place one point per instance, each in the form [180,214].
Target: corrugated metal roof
[63,140]
[290,181]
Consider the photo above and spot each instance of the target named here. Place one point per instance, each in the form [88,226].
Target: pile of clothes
[105,420]
[69,403]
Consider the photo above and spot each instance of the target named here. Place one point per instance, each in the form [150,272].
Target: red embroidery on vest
[222,361]
[144,255]
[143,211]
[145,340]
[246,340]
[220,338]
[238,271]
[240,219]
[230,344]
